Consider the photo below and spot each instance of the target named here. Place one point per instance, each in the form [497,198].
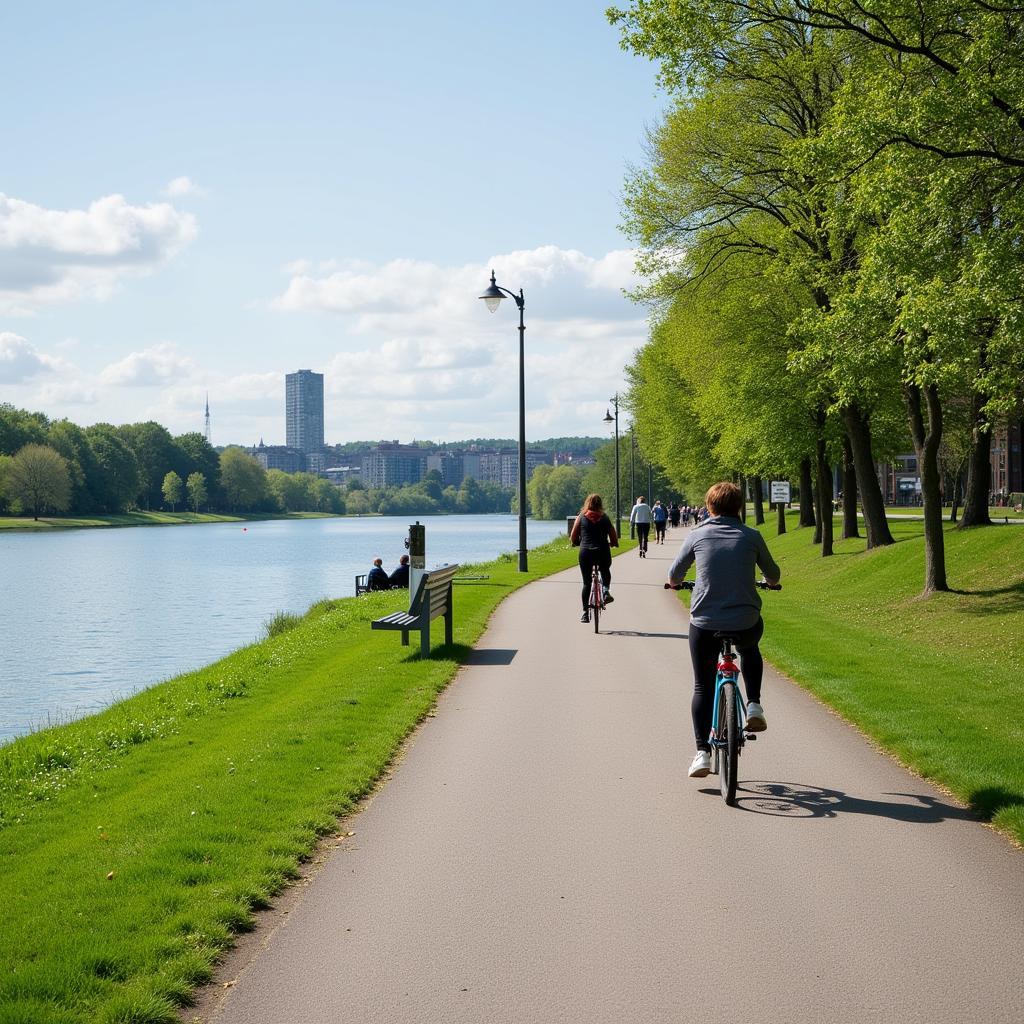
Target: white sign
[780,492]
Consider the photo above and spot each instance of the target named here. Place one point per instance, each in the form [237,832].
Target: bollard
[417,545]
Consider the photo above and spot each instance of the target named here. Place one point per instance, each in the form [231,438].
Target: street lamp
[492,297]
[608,418]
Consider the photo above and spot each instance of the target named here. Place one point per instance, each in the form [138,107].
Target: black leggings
[704,651]
[588,559]
[659,530]
[643,531]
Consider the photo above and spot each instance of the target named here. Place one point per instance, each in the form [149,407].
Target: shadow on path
[633,632]
[794,800]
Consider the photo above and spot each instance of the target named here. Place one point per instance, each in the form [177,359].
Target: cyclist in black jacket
[595,535]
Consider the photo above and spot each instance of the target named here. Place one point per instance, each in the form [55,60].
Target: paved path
[540,856]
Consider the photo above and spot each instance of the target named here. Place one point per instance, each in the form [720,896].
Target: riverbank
[146,519]
[138,841]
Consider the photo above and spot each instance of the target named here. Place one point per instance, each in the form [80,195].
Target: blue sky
[209,195]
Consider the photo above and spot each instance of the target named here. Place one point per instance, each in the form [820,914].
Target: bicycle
[596,603]
[728,714]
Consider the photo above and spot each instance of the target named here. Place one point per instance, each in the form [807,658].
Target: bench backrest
[435,585]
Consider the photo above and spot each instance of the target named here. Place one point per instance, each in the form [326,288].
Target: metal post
[632,477]
[618,516]
[522,436]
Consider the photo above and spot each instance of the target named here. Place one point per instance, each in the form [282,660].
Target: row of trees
[830,228]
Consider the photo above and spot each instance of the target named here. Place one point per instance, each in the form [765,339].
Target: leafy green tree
[173,489]
[116,483]
[19,427]
[197,455]
[37,480]
[71,441]
[156,455]
[197,493]
[244,481]
[5,462]
[555,492]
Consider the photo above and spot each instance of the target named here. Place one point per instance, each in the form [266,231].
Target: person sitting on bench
[377,578]
[399,579]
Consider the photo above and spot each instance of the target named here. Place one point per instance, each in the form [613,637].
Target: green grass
[142,519]
[134,844]
[937,681]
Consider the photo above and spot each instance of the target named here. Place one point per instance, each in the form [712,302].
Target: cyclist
[595,535]
[724,600]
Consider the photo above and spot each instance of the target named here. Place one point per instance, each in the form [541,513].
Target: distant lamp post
[609,418]
[492,297]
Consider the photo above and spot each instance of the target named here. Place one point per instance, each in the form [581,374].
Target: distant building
[304,411]
[394,465]
[278,456]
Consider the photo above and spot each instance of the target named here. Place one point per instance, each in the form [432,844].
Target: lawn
[937,681]
[139,519]
[135,843]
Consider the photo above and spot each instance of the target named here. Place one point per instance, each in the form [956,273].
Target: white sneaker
[756,722]
[701,765]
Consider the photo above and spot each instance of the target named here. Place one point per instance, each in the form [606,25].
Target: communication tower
[206,427]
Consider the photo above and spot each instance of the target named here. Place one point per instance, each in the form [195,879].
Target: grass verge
[935,680]
[142,519]
[135,843]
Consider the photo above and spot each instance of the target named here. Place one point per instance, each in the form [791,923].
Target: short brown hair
[593,503]
[724,499]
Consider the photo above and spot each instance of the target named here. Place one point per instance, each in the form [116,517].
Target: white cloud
[19,361]
[49,256]
[158,365]
[183,186]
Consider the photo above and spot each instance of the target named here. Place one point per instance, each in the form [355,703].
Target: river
[90,616]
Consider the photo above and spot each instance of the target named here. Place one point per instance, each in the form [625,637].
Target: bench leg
[425,639]
[448,625]
[405,638]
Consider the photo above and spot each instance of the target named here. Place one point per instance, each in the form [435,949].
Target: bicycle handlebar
[688,585]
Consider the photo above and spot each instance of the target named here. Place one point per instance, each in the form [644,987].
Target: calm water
[89,616]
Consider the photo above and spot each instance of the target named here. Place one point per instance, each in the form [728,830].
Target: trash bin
[569,523]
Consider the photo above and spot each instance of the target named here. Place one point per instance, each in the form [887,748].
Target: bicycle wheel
[595,604]
[728,730]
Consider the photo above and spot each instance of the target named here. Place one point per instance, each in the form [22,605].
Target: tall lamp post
[492,297]
[608,418]
[632,476]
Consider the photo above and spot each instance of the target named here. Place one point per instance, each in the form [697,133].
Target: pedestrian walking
[660,515]
[640,517]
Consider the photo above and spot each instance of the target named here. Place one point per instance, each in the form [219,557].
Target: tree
[196,455]
[156,455]
[197,494]
[71,441]
[19,427]
[37,478]
[243,480]
[116,483]
[173,489]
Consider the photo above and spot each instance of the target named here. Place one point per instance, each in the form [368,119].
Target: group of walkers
[725,599]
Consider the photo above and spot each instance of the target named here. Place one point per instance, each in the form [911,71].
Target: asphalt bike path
[539,855]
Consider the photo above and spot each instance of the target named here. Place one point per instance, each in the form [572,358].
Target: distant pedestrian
[640,517]
[674,515]
[660,518]
[377,578]
[399,579]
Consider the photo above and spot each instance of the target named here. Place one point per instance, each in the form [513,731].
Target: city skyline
[332,188]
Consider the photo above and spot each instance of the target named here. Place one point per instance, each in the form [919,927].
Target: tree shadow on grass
[795,800]
[999,599]
[990,800]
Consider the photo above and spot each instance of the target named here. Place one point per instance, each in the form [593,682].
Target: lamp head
[608,417]
[493,296]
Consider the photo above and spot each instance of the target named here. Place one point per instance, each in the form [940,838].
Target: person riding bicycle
[595,535]
[724,600]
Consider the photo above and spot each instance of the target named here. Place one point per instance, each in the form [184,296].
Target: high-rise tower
[206,422]
[304,410]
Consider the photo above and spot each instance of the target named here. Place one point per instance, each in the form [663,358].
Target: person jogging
[640,517]
[724,600]
[595,535]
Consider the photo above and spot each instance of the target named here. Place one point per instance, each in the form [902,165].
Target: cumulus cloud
[19,361]
[49,256]
[176,188]
[154,366]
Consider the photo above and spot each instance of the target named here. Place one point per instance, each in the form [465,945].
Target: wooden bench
[433,597]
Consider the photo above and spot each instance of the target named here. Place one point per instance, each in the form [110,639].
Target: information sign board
[780,492]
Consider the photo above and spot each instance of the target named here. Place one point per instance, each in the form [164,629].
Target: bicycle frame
[728,672]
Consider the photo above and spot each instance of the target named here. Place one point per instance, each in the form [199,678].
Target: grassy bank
[938,681]
[136,842]
[142,519]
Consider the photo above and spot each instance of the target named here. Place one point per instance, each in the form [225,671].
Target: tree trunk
[782,518]
[926,445]
[824,491]
[979,468]
[755,483]
[806,494]
[743,491]
[859,433]
[850,526]
[958,485]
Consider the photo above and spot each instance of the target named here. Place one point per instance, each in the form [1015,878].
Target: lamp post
[608,418]
[492,298]
[632,476]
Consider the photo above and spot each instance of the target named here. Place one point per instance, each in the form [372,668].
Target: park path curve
[540,856]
